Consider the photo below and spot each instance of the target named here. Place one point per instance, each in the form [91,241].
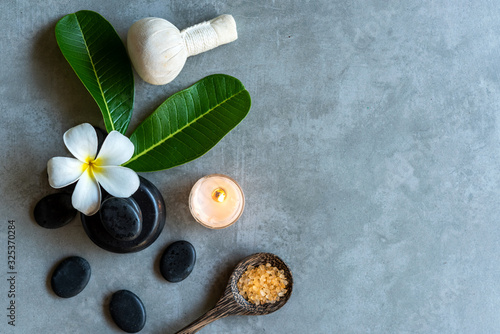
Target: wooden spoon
[232,303]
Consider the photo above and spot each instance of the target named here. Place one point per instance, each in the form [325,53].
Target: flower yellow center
[90,166]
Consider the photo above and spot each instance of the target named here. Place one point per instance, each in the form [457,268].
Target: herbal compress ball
[158,50]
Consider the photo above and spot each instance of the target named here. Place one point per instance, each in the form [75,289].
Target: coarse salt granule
[262,284]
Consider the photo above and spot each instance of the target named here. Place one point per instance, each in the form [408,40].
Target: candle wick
[219,195]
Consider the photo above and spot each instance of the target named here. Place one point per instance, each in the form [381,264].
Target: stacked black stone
[125,225]
[121,217]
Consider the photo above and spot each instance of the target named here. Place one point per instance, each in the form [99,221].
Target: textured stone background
[369,161]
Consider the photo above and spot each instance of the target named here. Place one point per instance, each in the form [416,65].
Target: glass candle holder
[216,201]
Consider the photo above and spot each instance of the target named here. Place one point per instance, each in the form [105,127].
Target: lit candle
[216,201]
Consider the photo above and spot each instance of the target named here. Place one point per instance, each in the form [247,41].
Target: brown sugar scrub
[262,284]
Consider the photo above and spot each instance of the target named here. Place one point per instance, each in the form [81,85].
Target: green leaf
[189,123]
[96,53]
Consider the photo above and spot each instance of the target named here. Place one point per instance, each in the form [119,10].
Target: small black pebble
[70,277]
[177,262]
[54,211]
[127,311]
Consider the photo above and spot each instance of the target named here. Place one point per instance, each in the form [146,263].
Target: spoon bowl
[232,303]
[255,260]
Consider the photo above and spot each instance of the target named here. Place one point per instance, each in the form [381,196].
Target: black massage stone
[70,277]
[177,261]
[54,211]
[152,208]
[128,311]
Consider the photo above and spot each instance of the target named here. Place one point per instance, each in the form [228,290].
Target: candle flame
[219,195]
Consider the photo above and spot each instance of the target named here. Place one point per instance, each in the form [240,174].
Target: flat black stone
[127,311]
[152,206]
[121,217]
[70,277]
[54,211]
[177,261]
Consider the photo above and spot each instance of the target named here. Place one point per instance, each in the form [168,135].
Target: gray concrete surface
[370,164]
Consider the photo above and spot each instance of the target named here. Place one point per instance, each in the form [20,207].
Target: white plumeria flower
[91,171]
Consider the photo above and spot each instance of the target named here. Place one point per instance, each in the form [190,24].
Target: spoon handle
[225,306]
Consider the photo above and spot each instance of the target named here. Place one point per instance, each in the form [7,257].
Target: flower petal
[81,141]
[64,171]
[116,180]
[87,194]
[116,150]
